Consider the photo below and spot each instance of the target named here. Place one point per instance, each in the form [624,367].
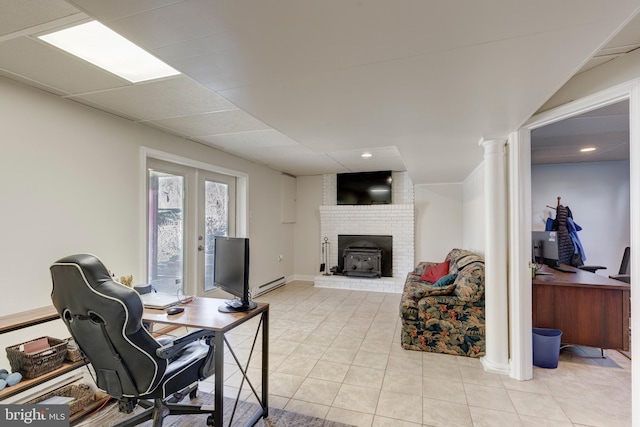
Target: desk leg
[265,363]
[218,399]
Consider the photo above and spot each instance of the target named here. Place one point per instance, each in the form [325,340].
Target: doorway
[187,203]
[582,162]
[521,218]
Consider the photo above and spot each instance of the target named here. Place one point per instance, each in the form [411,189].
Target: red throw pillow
[433,273]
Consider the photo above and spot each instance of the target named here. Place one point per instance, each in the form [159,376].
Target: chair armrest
[176,346]
[592,268]
[623,277]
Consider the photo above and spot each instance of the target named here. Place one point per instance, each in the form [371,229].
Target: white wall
[307,239]
[473,211]
[598,196]
[438,220]
[69,183]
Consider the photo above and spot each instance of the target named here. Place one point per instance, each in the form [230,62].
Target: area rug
[110,416]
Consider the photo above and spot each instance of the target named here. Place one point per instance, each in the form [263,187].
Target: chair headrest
[92,268]
[81,283]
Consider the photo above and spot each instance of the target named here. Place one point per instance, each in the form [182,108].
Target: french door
[186,208]
[217,206]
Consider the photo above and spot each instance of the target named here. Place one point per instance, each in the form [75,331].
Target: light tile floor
[336,354]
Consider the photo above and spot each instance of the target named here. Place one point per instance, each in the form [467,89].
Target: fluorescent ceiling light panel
[588,149]
[100,46]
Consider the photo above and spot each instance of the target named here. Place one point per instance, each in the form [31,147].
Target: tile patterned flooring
[336,354]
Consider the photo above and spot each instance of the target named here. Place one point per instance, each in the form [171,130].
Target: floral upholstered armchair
[442,306]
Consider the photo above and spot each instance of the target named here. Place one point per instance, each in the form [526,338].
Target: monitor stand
[236,306]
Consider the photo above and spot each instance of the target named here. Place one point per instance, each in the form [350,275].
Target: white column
[496,295]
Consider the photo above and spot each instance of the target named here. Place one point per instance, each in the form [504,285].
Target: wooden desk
[202,313]
[590,310]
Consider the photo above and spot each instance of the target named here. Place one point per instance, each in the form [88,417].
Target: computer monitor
[231,272]
[545,248]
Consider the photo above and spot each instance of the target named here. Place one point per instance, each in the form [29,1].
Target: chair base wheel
[126,406]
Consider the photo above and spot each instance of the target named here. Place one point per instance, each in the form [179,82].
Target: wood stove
[365,255]
[362,262]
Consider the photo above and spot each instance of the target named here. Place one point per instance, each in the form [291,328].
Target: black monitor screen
[231,270]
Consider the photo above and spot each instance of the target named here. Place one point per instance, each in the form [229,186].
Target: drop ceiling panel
[296,160]
[32,83]
[277,47]
[104,108]
[246,141]
[561,154]
[113,9]
[176,23]
[17,15]
[584,126]
[212,123]
[429,78]
[42,63]
[385,158]
[193,48]
[171,97]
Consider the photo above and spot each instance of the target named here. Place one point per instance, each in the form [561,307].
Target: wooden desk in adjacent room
[590,310]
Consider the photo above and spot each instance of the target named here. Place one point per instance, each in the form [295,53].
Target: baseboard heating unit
[269,286]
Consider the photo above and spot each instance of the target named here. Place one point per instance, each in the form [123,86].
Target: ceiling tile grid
[305,87]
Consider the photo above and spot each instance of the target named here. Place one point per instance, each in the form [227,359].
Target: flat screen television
[545,248]
[231,272]
[364,188]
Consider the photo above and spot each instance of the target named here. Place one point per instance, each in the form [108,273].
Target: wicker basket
[81,393]
[36,364]
[73,352]
[73,355]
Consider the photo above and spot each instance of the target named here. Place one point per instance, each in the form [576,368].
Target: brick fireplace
[395,220]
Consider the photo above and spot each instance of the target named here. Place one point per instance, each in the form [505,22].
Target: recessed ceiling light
[587,149]
[366,155]
[100,46]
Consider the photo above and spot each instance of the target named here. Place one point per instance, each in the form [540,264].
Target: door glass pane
[216,223]
[166,231]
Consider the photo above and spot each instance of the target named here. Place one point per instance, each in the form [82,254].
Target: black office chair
[592,268]
[624,273]
[105,319]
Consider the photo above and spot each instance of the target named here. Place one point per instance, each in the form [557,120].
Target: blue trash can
[546,347]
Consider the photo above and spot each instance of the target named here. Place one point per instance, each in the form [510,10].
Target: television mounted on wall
[364,188]
[231,272]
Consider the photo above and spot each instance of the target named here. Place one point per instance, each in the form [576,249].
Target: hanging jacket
[566,248]
[579,256]
[570,249]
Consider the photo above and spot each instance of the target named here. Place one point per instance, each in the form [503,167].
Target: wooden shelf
[24,319]
[25,384]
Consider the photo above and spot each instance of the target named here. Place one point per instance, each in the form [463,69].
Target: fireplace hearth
[365,255]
